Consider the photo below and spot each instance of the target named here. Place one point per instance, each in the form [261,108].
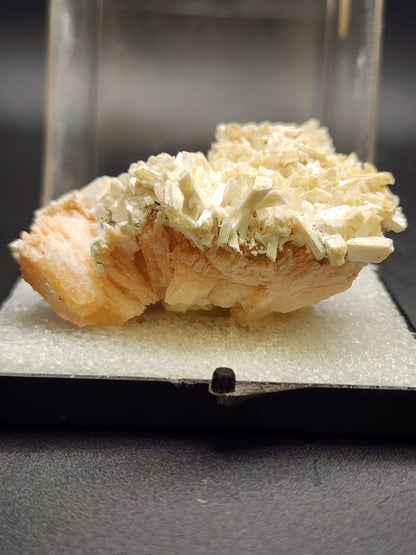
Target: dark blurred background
[23,43]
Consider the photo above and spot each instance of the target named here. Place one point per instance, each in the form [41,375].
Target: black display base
[148,404]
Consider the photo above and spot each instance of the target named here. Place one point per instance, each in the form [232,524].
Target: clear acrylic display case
[130,78]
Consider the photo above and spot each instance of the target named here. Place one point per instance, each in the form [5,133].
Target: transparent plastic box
[131,78]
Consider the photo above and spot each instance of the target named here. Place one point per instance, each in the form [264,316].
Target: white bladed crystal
[369,249]
[260,187]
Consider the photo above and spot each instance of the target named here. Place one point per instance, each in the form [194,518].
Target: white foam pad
[355,338]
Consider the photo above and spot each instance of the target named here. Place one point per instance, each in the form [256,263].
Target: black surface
[87,490]
[157,405]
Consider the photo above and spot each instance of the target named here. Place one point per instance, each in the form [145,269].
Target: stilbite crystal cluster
[273,219]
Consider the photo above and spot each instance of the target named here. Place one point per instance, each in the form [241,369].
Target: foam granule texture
[355,338]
